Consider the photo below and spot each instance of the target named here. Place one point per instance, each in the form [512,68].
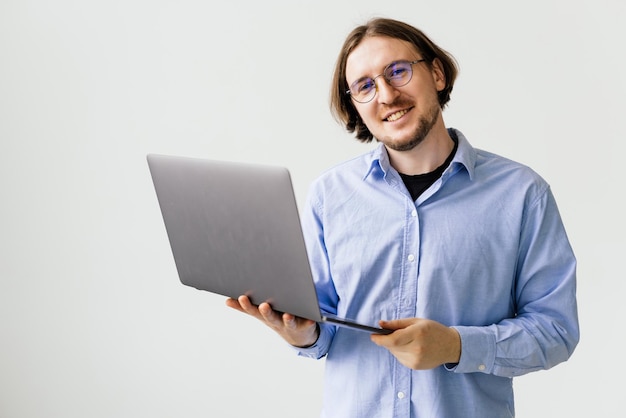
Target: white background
[93,320]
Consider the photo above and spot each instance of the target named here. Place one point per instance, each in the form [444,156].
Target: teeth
[396,115]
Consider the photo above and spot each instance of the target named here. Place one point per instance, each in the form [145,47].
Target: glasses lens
[398,73]
[363,90]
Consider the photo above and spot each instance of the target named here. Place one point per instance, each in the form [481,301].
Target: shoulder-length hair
[341,105]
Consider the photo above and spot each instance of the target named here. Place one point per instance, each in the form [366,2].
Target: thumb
[396,324]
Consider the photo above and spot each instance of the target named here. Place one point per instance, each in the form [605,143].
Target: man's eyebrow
[365,77]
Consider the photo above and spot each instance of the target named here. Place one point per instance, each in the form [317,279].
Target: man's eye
[397,72]
[365,86]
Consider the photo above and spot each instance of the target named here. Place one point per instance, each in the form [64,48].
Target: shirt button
[482,367]
[414,213]
[411,257]
[400,395]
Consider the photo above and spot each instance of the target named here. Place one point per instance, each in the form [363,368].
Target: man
[462,253]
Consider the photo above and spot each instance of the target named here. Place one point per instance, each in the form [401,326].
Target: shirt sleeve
[312,226]
[545,329]
[321,346]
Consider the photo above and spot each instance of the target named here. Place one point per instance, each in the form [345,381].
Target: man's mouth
[397,115]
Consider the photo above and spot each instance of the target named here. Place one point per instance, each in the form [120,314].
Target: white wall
[93,320]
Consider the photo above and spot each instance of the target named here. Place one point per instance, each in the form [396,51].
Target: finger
[246,305]
[234,304]
[384,340]
[397,337]
[290,321]
[268,314]
[396,324]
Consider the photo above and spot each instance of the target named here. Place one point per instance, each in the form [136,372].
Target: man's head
[386,37]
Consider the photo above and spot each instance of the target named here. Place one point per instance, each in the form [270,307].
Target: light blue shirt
[482,250]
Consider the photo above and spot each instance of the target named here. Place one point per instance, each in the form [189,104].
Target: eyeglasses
[397,74]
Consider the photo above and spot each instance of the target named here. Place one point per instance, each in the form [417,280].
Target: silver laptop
[234,229]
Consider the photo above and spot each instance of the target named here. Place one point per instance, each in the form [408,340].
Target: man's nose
[386,92]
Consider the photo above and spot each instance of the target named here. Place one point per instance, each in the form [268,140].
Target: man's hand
[296,331]
[420,344]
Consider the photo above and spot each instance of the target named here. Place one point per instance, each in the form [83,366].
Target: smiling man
[462,253]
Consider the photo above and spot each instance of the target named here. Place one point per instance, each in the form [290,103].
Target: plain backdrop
[93,319]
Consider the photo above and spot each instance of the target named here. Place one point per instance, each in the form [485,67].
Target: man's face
[399,117]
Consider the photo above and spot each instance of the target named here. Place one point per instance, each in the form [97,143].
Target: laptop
[234,229]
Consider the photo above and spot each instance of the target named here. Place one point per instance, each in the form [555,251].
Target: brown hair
[341,104]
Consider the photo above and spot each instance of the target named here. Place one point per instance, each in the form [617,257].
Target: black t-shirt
[416,184]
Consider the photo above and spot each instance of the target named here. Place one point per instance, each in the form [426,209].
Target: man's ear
[439,75]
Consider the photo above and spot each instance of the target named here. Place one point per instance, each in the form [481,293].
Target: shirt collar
[465,157]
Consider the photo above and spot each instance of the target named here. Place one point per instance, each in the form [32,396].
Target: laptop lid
[234,229]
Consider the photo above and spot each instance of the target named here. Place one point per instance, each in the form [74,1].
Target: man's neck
[426,156]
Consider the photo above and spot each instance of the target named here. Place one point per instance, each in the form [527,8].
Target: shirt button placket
[407,300]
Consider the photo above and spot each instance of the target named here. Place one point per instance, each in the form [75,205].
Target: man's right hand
[297,331]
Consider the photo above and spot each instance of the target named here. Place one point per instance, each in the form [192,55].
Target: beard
[426,123]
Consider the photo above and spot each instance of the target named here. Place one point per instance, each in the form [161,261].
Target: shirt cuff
[321,346]
[478,350]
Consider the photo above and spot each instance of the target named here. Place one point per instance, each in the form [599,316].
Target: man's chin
[412,140]
[402,145]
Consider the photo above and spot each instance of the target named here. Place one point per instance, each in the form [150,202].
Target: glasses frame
[411,63]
